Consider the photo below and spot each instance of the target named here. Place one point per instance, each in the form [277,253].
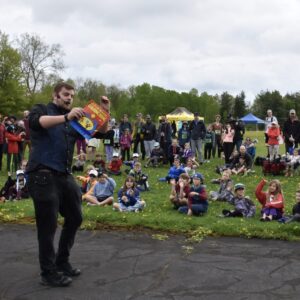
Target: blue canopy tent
[251,119]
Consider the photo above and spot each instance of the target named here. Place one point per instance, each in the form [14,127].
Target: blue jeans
[196,146]
[197,209]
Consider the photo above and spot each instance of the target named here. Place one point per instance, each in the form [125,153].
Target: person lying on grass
[102,192]
[180,191]
[272,201]
[197,198]
[296,211]
[225,192]
[243,206]
[129,197]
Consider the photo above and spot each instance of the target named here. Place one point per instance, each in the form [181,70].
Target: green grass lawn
[160,216]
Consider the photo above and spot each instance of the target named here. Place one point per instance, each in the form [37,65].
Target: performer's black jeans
[54,193]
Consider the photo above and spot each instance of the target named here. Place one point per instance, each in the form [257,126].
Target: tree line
[29,68]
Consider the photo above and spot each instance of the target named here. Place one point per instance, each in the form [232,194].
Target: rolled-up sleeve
[34,116]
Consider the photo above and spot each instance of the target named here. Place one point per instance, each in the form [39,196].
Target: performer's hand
[75,113]
[105,103]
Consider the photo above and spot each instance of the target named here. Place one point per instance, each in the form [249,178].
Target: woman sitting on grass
[129,197]
[197,199]
[272,201]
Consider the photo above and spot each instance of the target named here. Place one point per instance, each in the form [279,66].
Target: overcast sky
[210,45]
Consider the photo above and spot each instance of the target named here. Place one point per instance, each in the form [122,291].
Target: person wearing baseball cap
[102,193]
[114,167]
[92,180]
[239,186]
[243,206]
[197,199]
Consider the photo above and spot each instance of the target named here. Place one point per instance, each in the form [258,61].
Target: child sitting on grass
[131,163]
[293,162]
[141,179]
[99,163]
[187,153]
[114,167]
[174,172]
[197,199]
[14,189]
[272,201]
[129,197]
[102,193]
[90,184]
[240,167]
[243,206]
[79,163]
[173,151]
[85,179]
[226,185]
[180,191]
[296,211]
[191,166]
[156,156]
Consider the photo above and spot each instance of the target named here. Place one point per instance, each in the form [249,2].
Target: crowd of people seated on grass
[143,144]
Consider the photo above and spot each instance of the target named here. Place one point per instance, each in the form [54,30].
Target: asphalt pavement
[133,265]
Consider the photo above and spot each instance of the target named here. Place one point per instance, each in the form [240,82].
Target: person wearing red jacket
[12,140]
[272,201]
[273,134]
[114,167]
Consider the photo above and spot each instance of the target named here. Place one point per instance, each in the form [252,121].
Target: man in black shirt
[51,184]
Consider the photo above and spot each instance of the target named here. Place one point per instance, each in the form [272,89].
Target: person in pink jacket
[227,140]
[125,143]
[273,134]
[272,201]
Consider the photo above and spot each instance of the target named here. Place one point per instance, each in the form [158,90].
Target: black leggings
[228,148]
[232,213]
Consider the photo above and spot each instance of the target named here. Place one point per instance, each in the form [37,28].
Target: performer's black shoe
[67,270]
[55,279]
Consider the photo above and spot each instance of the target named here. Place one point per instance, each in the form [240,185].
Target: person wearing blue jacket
[175,170]
[129,197]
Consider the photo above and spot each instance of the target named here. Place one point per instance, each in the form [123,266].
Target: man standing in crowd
[164,137]
[217,127]
[125,124]
[198,131]
[291,131]
[51,184]
[137,135]
[149,135]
